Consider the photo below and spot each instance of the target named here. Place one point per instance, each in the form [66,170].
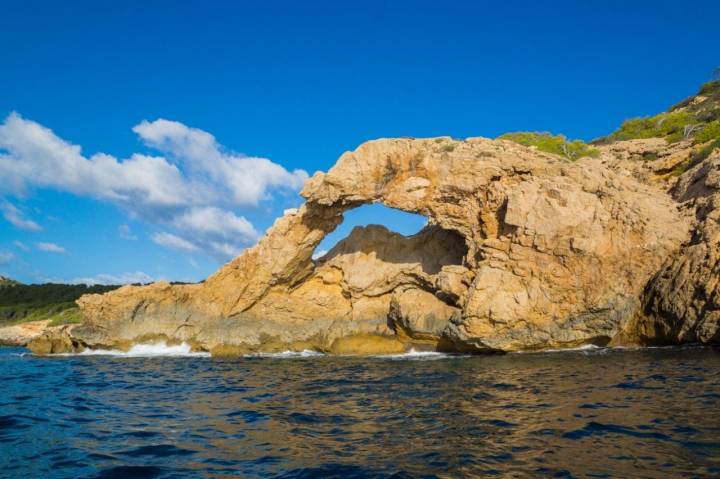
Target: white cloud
[224,249]
[221,233]
[6,257]
[51,248]
[126,233]
[125,278]
[246,178]
[37,157]
[214,221]
[192,191]
[172,241]
[21,245]
[13,214]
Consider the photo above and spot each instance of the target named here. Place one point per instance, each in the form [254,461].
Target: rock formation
[523,250]
[21,334]
[683,299]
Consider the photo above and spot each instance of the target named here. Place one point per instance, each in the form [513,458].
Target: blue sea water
[589,413]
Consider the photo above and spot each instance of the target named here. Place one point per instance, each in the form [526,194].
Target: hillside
[56,302]
[6,282]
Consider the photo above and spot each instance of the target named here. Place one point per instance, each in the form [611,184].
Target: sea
[162,411]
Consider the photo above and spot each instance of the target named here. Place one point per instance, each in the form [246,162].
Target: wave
[308,353]
[584,347]
[146,350]
[587,349]
[305,353]
[413,355]
[595,349]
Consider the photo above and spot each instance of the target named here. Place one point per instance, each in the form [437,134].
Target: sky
[147,140]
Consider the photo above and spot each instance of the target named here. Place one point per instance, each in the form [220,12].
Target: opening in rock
[393,236]
[402,222]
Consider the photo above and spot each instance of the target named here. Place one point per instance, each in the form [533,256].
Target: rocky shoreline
[524,250]
[21,334]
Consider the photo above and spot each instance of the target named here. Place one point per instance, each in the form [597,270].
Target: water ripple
[586,413]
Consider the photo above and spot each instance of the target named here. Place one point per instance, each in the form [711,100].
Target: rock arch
[557,253]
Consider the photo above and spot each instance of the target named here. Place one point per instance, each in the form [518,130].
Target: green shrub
[703,153]
[670,126]
[696,157]
[709,133]
[693,118]
[69,316]
[555,144]
[710,88]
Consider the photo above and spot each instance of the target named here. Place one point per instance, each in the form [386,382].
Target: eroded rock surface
[523,250]
[23,333]
[682,303]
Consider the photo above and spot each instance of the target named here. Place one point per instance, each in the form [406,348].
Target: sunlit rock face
[523,250]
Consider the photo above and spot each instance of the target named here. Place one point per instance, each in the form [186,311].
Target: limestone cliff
[523,250]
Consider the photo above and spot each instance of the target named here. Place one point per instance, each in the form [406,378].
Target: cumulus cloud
[246,178]
[6,257]
[51,248]
[126,278]
[221,232]
[172,241]
[192,187]
[13,214]
[37,157]
[126,233]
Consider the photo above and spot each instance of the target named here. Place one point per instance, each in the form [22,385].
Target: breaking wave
[584,347]
[305,353]
[413,355]
[147,350]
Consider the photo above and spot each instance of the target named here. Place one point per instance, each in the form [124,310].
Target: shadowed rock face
[682,303]
[523,250]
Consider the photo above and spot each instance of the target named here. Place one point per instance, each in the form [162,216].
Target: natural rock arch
[558,253]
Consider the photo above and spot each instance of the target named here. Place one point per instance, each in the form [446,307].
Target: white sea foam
[305,353]
[583,348]
[147,350]
[416,355]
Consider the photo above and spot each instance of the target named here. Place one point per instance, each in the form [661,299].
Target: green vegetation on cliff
[672,126]
[698,156]
[549,143]
[696,118]
[32,302]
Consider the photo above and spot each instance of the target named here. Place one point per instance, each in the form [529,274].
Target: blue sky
[156,139]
